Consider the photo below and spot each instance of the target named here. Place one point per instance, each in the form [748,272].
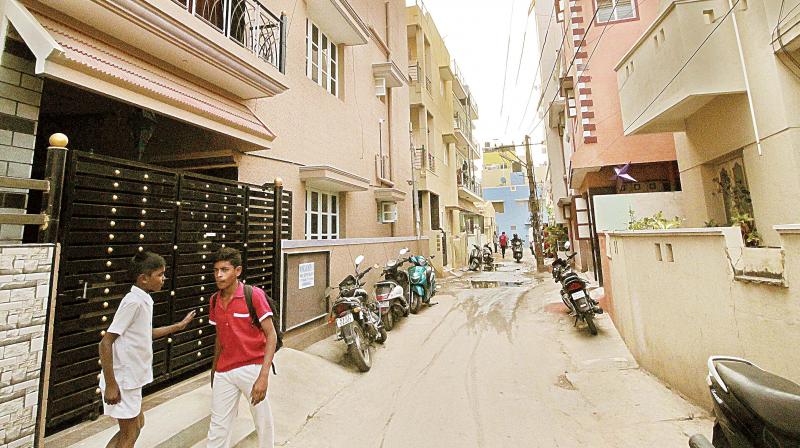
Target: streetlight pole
[534,206]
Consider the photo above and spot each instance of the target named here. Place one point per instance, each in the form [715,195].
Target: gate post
[55,168]
[277,233]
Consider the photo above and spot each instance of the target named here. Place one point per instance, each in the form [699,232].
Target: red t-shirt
[242,343]
[503,240]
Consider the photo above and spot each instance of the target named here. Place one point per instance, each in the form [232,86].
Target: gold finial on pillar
[279,182]
[58,140]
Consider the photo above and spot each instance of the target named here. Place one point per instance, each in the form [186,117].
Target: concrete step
[303,384]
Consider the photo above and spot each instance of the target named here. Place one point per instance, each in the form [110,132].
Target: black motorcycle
[574,294]
[488,258]
[358,319]
[516,249]
[754,408]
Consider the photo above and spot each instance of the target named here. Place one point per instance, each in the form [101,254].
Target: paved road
[498,367]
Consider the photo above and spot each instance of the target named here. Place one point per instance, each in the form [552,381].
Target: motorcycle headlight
[416,276]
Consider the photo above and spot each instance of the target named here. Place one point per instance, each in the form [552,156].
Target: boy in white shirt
[126,351]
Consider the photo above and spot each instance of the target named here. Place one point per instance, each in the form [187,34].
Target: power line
[539,63]
[522,51]
[571,64]
[508,51]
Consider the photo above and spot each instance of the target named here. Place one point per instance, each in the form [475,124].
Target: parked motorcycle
[358,320]
[391,292]
[516,249]
[481,258]
[574,294]
[488,258]
[423,282]
[754,408]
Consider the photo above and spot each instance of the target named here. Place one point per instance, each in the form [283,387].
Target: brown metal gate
[113,208]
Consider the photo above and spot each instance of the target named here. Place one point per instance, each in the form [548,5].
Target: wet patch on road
[564,382]
[555,308]
[482,284]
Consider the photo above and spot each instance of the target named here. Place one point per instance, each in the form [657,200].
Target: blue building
[511,204]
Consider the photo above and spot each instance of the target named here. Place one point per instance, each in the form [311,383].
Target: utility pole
[534,206]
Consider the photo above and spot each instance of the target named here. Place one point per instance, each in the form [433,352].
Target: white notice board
[306,277]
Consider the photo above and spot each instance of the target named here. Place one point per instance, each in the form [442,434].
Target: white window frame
[329,232]
[614,17]
[325,64]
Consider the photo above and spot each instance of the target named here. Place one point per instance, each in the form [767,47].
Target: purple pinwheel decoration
[622,173]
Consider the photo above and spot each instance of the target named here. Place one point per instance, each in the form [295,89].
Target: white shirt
[133,349]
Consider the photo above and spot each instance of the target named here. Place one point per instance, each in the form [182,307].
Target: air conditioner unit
[380,87]
[388,211]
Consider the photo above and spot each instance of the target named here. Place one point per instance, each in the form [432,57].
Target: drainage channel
[483,284]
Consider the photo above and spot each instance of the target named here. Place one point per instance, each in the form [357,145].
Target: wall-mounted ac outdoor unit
[380,86]
[388,212]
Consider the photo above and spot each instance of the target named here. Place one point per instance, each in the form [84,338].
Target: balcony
[468,187]
[459,86]
[786,37]
[661,53]
[462,126]
[236,45]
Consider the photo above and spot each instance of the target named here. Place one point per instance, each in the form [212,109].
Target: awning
[389,195]
[328,178]
[67,54]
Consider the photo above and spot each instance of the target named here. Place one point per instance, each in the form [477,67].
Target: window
[560,10]
[499,207]
[615,10]
[513,188]
[322,215]
[322,59]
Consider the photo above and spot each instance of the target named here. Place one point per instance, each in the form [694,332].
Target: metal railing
[468,182]
[428,84]
[413,72]
[246,22]
[24,184]
[382,167]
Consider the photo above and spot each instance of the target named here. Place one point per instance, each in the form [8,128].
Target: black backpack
[276,317]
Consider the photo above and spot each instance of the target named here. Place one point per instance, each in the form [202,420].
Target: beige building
[732,102]
[442,113]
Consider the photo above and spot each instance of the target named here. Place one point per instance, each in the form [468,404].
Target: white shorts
[130,405]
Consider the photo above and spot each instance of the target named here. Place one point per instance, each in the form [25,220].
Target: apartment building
[728,93]
[442,114]
[180,116]
[580,110]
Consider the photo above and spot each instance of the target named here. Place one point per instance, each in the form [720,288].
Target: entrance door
[732,182]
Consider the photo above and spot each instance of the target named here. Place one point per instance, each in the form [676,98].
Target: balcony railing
[246,22]
[382,167]
[467,182]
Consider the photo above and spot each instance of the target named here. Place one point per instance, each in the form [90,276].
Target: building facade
[729,96]
[442,113]
[580,111]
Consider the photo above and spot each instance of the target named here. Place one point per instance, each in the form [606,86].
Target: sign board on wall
[306,275]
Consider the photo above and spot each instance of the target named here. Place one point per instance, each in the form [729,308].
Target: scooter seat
[773,399]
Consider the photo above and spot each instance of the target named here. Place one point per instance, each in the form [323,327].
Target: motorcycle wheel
[416,303]
[382,336]
[590,323]
[473,265]
[359,350]
[388,320]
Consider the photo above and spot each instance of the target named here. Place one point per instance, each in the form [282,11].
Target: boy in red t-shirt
[242,354]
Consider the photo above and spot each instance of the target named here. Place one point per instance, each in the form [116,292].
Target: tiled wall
[24,291]
[20,97]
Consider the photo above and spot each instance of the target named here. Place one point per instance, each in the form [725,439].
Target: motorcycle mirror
[359,260]
[567,246]
[433,256]
[328,291]
[403,251]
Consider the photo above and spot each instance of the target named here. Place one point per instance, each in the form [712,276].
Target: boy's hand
[259,391]
[186,320]
[112,395]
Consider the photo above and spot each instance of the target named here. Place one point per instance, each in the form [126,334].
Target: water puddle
[483,284]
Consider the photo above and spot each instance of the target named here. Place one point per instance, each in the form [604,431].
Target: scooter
[488,258]
[390,293]
[475,258]
[358,320]
[423,282]
[754,408]
[573,292]
[516,249]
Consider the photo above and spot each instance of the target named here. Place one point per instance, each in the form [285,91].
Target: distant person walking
[496,241]
[243,352]
[126,350]
[503,243]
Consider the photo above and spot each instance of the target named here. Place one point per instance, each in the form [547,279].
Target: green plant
[655,222]
[747,224]
[711,223]
[739,207]
[556,234]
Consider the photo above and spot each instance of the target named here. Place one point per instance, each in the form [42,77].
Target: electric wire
[508,52]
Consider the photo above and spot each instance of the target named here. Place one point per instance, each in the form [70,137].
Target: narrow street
[498,366]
